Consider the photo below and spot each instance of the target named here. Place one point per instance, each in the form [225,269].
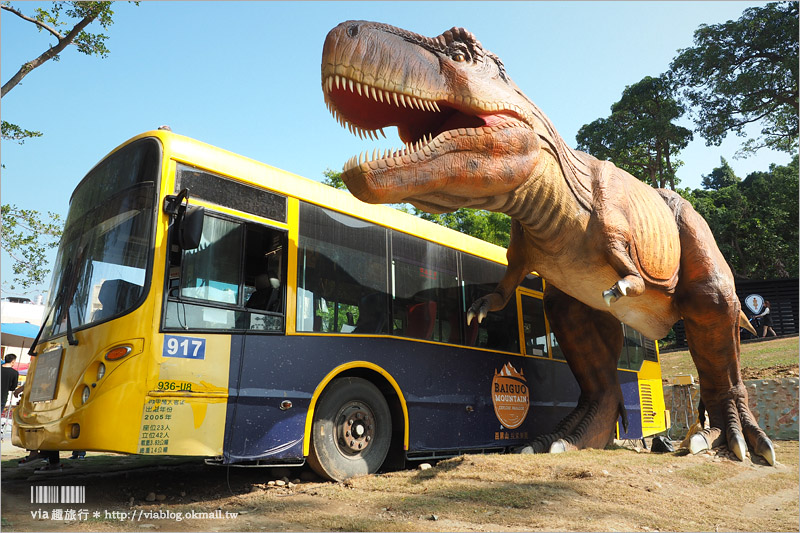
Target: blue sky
[245,76]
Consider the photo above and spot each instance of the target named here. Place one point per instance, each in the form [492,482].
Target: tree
[486,225]
[640,136]
[754,222]
[82,14]
[25,237]
[334,179]
[745,71]
[722,176]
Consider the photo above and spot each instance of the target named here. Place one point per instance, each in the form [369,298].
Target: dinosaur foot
[616,292]
[735,438]
[589,425]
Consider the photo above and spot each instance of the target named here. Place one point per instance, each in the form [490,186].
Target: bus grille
[646,397]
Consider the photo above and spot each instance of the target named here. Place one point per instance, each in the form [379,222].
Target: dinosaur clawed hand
[740,431]
[616,292]
[482,306]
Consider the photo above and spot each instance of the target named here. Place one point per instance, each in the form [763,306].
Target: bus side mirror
[190,227]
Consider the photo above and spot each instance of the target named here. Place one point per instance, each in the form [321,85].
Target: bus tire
[351,430]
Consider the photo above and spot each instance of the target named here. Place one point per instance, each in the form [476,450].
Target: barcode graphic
[58,494]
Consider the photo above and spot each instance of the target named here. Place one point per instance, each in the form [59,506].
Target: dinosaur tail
[743,322]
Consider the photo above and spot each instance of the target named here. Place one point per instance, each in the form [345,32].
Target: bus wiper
[58,301]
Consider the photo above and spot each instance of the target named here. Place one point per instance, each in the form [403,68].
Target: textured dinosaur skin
[611,248]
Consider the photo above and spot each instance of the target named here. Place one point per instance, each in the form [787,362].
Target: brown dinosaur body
[610,247]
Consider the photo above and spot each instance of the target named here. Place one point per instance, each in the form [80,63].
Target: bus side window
[499,330]
[341,274]
[425,301]
[533,325]
[210,286]
[264,291]
[633,350]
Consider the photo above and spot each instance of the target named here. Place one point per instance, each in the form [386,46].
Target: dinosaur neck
[557,210]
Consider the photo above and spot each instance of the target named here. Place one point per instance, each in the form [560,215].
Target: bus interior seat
[372,314]
[421,320]
[115,295]
[261,297]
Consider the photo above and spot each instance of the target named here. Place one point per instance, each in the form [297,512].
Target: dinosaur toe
[737,445]
[767,451]
[698,443]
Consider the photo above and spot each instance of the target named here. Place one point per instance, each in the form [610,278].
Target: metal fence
[783,295]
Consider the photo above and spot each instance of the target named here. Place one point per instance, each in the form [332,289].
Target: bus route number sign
[184,347]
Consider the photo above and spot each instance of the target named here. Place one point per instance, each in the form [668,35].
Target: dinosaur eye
[459,57]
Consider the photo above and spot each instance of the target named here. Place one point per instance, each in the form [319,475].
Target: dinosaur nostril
[352,30]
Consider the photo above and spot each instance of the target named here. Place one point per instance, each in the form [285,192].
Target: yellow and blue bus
[205,304]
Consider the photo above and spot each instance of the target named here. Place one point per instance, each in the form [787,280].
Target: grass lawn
[763,359]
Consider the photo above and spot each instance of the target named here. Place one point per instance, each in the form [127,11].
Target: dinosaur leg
[630,282]
[706,298]
[591,341]
[610,221]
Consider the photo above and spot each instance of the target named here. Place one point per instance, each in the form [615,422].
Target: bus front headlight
[85,394]
[101,371]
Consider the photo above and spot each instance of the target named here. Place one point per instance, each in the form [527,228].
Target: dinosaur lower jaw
[456,168]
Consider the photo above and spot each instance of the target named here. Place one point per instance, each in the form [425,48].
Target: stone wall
[774,402]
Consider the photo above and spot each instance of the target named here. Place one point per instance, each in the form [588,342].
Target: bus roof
[250,171]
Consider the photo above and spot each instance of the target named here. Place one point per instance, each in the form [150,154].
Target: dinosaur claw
[559,446]
[622,287]
[470,316]
[616,292]
[609,296]
[698,443]
[738,446]
[524,449]
[767,451]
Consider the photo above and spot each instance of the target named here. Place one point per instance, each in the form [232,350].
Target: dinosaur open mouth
[366,110]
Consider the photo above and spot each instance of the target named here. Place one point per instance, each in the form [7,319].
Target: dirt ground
[623,488]
[777,371]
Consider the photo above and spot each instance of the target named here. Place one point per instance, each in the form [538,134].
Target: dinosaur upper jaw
[375,76]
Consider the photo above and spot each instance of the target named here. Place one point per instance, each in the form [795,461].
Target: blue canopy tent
[18,335]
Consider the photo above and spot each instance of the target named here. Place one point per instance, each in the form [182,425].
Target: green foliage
[755,222]
[486,225]
[640,136]
[745,71]
[333,179]
[720,177]
[26,238]
[12,132]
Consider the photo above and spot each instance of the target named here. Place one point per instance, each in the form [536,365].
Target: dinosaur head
[468,130]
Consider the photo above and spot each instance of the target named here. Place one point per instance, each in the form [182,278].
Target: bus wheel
[351,430]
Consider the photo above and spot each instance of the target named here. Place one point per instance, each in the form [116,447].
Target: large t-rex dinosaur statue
[610,247]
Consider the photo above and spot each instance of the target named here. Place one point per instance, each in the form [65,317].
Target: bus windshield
[102,264]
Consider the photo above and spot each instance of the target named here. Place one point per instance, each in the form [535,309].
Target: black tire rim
[355,428]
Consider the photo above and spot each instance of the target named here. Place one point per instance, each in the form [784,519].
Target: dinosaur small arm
[611,248]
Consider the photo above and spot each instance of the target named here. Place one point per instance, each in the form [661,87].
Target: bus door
[230,287]
[553,389]
[261,422]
